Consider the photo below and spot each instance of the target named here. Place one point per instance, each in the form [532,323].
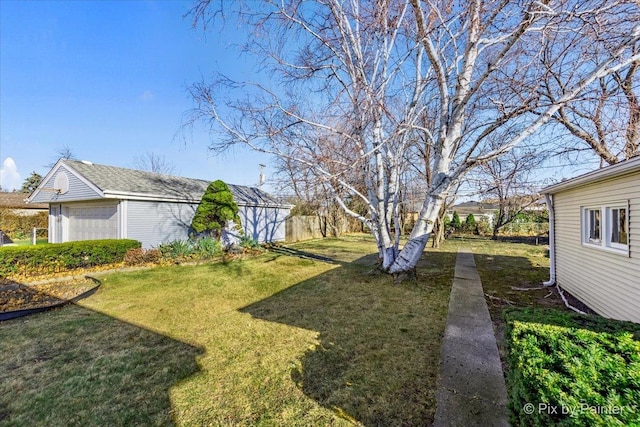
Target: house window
[607,227]
[617,227]
[593,225]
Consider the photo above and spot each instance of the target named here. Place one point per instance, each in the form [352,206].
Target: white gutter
[628,166]
[121,195]
[552,241]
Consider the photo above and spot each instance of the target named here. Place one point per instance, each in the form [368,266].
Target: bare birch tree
[346,88]
[606,118]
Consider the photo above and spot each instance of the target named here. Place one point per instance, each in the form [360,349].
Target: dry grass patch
[272,340]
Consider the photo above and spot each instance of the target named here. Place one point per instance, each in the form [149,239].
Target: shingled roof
[16,200]
[116,180]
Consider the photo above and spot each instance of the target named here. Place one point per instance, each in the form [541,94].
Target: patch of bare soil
[19,296]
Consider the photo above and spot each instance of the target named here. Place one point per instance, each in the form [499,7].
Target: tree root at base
[405,276]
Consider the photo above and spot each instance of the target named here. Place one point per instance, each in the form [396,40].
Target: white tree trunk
[410,254]
[412,250]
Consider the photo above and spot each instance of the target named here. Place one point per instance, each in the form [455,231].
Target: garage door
[93,222]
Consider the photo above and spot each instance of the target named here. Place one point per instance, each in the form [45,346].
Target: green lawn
[272,340]
[269,340]
[27,242]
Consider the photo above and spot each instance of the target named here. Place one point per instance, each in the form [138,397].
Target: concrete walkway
[471,388]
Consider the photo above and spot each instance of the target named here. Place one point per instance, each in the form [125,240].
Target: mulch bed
[19,296]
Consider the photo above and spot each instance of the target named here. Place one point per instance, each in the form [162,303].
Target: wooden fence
[308,227]
[302,228]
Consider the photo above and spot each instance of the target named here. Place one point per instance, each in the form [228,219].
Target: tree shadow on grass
[378,354]
[74,366]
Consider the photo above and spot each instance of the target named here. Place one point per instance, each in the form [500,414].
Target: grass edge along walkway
[471,386]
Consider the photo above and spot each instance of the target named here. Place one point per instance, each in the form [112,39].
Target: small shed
[594,222]
[89,201]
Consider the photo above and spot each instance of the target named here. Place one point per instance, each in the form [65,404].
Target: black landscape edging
[7,315]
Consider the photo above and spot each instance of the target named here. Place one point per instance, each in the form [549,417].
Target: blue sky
[109,79]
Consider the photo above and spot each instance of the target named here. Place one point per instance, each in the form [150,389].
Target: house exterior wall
[264,224]
[78,190]
[606,281]
[153,223]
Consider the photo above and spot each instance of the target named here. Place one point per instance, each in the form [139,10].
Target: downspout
[552,241]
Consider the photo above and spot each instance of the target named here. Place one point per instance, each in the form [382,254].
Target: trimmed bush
[56,257]
[142,256]
[215,210]
[470,223]
[567,369]
[455,221]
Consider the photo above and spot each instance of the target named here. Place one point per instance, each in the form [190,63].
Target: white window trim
[604,244]
[586,226]
[123,213]
[608,242]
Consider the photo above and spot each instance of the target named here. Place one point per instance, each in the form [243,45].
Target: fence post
[34,238]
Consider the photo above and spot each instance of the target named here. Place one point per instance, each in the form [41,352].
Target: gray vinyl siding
[153,223]
[609,283]
[78,190]
[264,224]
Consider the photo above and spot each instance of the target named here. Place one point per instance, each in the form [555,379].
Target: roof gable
[81,188]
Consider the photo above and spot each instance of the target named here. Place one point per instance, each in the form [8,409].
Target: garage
[93,222]
[90,201]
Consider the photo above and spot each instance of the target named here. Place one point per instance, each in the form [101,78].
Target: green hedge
[567,369]
[20,226]
[51,258]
